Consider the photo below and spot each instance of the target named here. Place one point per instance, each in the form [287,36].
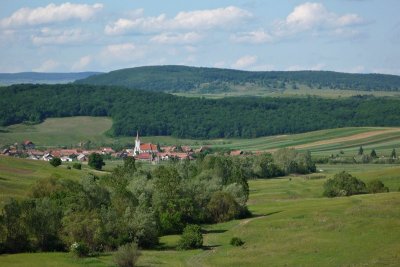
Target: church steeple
[136,150]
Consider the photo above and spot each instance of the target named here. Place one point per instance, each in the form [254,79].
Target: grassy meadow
[288,91]
[17,175]
[293,225]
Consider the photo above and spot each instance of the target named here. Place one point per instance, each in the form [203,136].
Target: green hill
[214,80]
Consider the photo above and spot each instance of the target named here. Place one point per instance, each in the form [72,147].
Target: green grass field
[17,175]
[59,131]
[302,91]
[293,225]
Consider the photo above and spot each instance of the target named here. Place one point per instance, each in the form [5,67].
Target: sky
[357,36]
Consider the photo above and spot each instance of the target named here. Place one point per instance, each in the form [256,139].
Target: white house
[66,159]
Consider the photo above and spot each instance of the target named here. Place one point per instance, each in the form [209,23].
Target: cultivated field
[293,225]
[302,91]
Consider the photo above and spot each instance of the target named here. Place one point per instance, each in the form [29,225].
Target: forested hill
[154,113]
[42,77]
[209,80]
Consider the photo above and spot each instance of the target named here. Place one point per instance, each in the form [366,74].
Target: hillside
[292,225]
[155,113]
[213,80]
[43,78]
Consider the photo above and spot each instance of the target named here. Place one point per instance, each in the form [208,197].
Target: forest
[160,114]
[183,79]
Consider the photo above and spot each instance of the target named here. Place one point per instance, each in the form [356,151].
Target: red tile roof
[148,147]
[144,156]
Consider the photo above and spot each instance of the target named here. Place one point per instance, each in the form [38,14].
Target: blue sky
[342,35]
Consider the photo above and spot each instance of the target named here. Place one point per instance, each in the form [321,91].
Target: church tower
[136,150]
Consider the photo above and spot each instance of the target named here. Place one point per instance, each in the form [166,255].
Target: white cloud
[314,16]
[82,63]
[50,14]
[319,66]
[177,38]
[47,66]
[122,52]
[191,20]
[220,64]
[48,36]
[244,62]
[253,37]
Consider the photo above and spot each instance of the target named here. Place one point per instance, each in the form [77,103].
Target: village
[145,152]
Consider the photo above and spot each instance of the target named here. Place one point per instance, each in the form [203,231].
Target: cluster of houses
[142,152]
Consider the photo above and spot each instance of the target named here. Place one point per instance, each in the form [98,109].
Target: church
[143,148]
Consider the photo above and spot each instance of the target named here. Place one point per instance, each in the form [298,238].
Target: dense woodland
[134,204]
[183,79]
[163,114]
[154,113]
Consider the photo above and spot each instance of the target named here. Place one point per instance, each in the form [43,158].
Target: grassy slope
[303,91]
[59,131]
[17,175]
[70,131]
[293,225]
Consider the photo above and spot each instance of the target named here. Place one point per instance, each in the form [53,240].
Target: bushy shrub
[96,161]
[127,255]
[343,184]
[376,186]
[223,207]
[191,237]
[55,162]
[77,166]
[236,241]
[79,249]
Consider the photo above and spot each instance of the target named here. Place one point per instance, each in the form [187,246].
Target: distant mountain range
[214,80]
[45,78]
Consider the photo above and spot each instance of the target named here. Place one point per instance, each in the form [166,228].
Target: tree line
[154,113]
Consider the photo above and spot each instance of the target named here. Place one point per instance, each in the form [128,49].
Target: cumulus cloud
[50,14]
[177,38]
[252,37]
[244,62]
[122,52]
[48,36]
[190,20]
[315,16]
[47,66]
[82,63]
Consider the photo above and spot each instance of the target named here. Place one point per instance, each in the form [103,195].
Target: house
[5,151]
[144,157]
[47,157]
[28,145]
[81,157]
[108,150]
[66,159]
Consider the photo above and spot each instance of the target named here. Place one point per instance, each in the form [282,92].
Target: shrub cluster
[127,255]
[344,184]
[191,238]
